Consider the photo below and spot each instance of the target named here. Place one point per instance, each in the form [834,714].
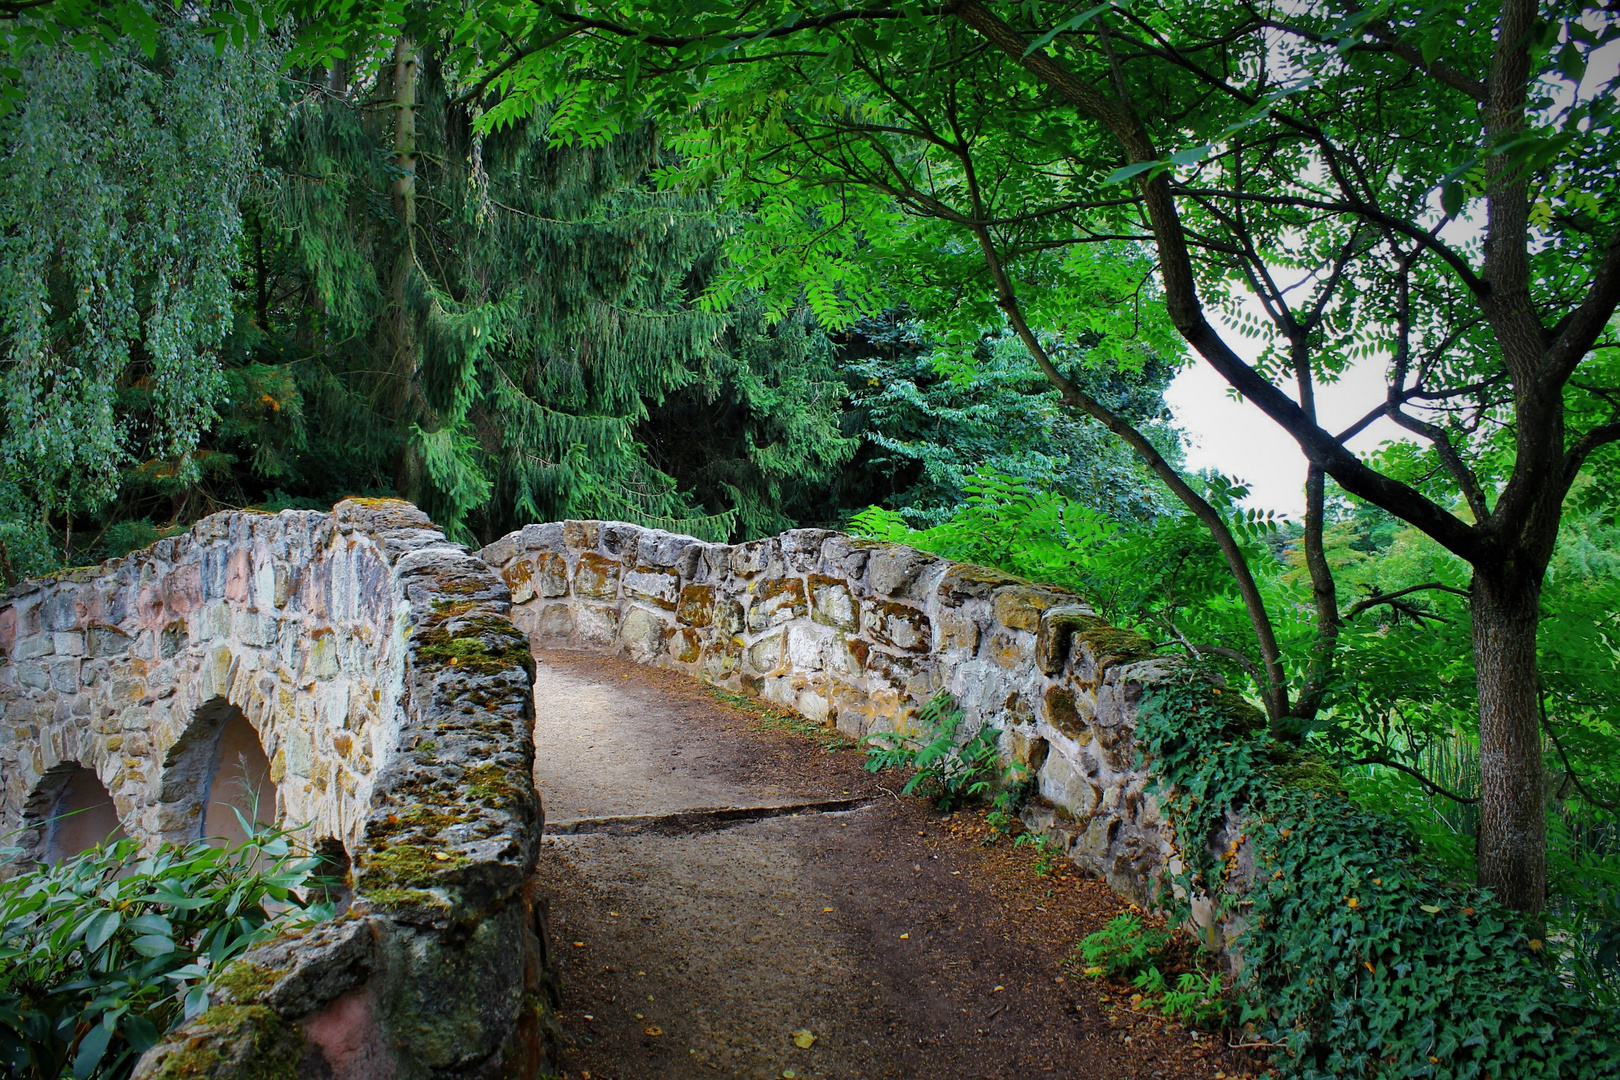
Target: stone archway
[216,770]
[70,811]
[366,667]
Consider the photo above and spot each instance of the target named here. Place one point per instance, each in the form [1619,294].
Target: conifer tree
[508,331]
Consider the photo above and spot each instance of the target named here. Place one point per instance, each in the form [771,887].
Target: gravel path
[728,902]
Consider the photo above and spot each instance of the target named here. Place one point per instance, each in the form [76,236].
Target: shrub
[102,953]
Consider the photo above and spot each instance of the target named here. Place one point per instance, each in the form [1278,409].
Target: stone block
[1061,782]
[34,646]
[1058,627]
[695,607]
[898,626]
[545,537]
[62,609]
[728,616]
[31,674]
[813,705]
[806,648]
[68,642]
[519,578]
[801,549]
[964,582]
[596,625]
[755,558]
[644,633]
[597,577]
[620,540]
[1020,607]
[555,621]
[840,655]
[1068,709]
[832,604]
[958,632]
[1027,751]
[765,655]
[721,658]
[898,572]
[64,674]
[686,646]
[652,585]
[550,574]
[582,535]
[777,601]
[844,557]
[666,551]
[1006,649]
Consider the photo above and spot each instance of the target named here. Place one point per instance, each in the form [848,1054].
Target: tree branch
[1389,598]
[1186,309]
[1419,777]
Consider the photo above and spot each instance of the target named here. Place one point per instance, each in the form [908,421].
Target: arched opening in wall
[216,771]
[239,783]
[71,812]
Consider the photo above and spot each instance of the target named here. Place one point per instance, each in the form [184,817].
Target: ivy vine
[1358,960]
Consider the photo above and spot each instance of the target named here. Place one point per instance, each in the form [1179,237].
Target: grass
[762,717]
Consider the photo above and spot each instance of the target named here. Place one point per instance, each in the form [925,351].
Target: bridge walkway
[734,902]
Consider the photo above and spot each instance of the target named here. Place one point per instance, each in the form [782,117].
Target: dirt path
[697,943]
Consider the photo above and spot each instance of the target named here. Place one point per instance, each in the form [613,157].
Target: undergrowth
[100,954]
[949,771]
[1358,960]
[1130,950]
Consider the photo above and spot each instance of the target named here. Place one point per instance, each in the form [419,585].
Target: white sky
[1234,437]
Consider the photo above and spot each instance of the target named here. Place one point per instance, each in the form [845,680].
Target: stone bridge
[353,673]
[357,675]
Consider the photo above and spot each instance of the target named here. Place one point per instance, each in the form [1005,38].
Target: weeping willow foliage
[120,190]
[522,341]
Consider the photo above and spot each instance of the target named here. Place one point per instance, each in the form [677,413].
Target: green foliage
[1359,959]
[1122,949]
[933,417]
[1129,949]
[1162,577]
[1197,1001]
[102,953]
[120,187]
[949,770]
[530,348]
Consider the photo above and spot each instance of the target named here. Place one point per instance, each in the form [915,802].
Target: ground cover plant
[1360,959]
[103,952]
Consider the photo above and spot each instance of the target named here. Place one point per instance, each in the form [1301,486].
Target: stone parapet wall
[392,696]
[860,635]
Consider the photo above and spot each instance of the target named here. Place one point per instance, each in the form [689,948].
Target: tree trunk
[407,405]
[1512,852]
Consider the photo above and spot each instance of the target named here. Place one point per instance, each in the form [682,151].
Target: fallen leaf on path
[803,1038]
[653,1030]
